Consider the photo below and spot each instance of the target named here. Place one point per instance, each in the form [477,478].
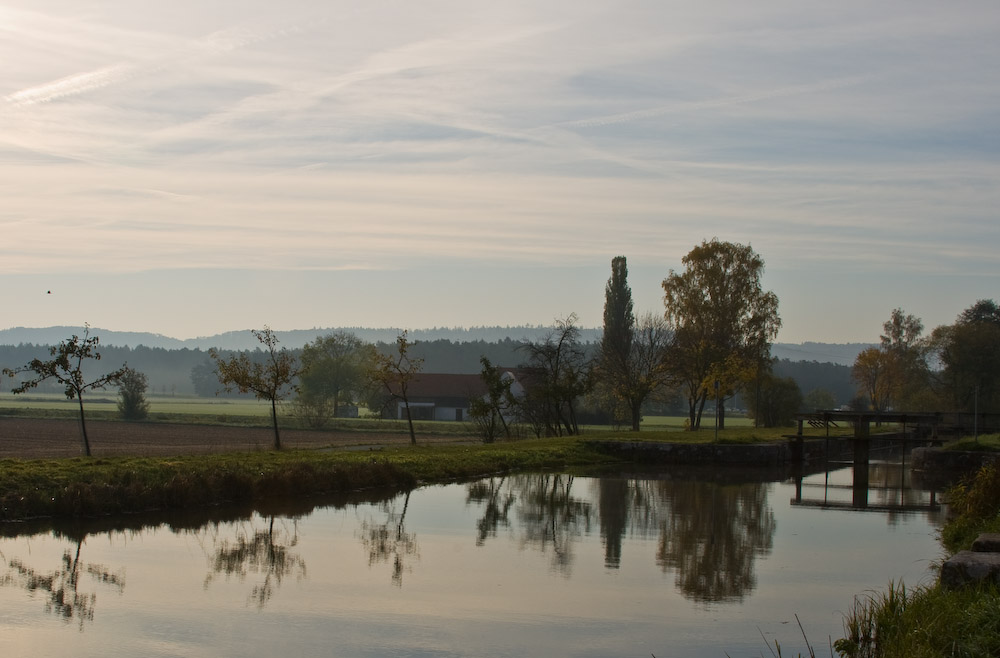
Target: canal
[684,562]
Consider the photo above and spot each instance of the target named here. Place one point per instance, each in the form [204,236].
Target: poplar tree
[619,319]
[632,362]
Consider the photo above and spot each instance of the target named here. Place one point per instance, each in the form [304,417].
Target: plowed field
[32,438]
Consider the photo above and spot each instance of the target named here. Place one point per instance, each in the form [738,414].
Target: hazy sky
[191,167]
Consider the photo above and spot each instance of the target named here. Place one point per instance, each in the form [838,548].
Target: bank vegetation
[934,621]
[127,485]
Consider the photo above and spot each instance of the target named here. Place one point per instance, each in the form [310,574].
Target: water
[682,563]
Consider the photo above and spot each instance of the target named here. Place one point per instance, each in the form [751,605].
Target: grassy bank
[985,442]
[930,622]
[113,485]
[93,487]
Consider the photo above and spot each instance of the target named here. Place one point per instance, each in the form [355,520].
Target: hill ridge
[839,353]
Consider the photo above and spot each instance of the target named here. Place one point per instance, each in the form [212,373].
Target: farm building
[440,396]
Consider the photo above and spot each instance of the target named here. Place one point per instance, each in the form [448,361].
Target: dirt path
[31,438]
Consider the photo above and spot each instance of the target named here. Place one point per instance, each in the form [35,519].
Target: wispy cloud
[336,136]
[695,106]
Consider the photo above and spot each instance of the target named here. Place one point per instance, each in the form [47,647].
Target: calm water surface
[683,563]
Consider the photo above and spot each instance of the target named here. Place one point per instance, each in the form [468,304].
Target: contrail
[719,102]
[219,42]
[72,85]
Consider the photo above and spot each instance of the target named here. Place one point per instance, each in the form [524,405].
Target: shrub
[132,403]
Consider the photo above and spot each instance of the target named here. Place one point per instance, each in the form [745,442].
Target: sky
[189,168]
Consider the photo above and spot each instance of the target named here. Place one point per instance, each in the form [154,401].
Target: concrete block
[988,542]
[967,567]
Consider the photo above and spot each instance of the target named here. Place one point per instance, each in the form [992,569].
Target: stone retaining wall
[940,469]
[937,460]
[758,454]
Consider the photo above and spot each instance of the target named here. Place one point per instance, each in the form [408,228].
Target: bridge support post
[861,457]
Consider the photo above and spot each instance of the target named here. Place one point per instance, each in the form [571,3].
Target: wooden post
[798,445]
[861,455]
[826,443]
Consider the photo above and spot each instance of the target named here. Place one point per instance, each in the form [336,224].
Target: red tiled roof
[441,385]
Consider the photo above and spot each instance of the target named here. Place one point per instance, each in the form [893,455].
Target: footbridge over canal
[909,428]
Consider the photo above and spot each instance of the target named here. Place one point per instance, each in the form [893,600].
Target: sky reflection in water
[686,564]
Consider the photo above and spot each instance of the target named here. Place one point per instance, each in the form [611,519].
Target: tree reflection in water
[258,551]
[550,517]
[709,533]
[389,541]
[496,500]
[626,507]
[61,587]
[711,536]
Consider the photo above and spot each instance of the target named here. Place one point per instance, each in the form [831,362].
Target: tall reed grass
[924,622]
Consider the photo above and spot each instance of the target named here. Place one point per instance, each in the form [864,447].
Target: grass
[255,413]
[985,442]
[108,401]
[975,508]
[93,487]
[740,434]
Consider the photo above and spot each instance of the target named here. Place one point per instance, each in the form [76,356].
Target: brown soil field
[37,438]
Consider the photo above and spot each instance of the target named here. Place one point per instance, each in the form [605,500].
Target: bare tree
[66,367]
[394,373]
[270,380]
[558,372]
[647,364]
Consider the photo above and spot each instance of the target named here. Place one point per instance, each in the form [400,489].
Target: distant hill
[293,339]
[839,353]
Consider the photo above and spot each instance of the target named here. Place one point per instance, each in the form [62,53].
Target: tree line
[713,338]
[954,368]
[706,351]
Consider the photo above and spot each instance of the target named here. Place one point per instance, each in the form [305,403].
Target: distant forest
[842,353]
[187,371]
[294,339]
